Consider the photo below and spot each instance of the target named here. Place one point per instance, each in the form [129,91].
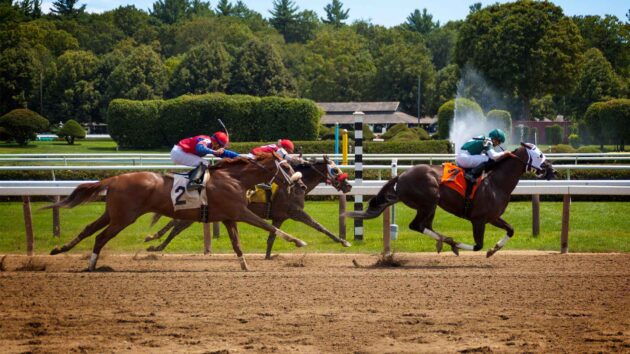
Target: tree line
[70,64]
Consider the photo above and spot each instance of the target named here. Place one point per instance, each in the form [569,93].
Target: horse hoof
[438,246]
[455,250]
[490,253]
[55,251]
[300,243]
[345,243]
[148,238]
[152,249]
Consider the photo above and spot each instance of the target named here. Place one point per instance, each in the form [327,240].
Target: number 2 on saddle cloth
[453,178]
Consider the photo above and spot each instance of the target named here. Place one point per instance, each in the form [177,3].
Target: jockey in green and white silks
[478,151]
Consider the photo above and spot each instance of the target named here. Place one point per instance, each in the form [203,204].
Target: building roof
[370,118]
[365,107]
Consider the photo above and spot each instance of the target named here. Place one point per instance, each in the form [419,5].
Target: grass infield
[594,227]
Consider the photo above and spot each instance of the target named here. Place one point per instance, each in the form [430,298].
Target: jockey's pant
[465,160]
[181,157]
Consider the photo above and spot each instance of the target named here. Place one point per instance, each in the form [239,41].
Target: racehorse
[131,195]
[419,188]
[284,205]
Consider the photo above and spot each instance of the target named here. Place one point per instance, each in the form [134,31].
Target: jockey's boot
[472,174]
[195,177]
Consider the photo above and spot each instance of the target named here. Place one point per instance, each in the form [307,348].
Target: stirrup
[194,186]
[264,186]
[470,177]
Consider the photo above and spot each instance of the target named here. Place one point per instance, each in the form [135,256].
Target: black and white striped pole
[358,171]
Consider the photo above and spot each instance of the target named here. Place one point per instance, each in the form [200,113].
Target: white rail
[525,187]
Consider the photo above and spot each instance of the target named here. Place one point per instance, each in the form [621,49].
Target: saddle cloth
[184,199]
[259,195]
[453,178]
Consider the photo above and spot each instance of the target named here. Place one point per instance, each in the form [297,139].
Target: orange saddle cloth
[453,178]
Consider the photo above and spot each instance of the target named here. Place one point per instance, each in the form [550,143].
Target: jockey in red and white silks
[284,147]
[190,151]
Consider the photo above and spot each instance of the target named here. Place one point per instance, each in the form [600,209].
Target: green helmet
[497,134]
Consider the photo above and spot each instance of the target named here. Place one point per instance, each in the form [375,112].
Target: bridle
[329,177]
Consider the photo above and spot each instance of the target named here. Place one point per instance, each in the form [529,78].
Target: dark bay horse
[285,205]
[419,188]
[133,194]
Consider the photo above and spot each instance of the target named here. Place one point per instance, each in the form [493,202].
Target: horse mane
[226,162]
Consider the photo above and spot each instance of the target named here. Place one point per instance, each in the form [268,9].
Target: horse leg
[479,229]
[249,217]
[502,224]
[162,231]
[301,216]
[272,237]
[98,224]
[423,223]
[232,229]
[110,231]
[178,227]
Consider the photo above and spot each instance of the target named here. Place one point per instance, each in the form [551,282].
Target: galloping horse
[285,204]
[420,189]
[133,194]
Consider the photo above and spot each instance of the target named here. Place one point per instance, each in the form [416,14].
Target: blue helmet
[497,134]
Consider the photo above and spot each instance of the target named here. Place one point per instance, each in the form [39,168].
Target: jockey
[478,153]
[190,152]
[283,147]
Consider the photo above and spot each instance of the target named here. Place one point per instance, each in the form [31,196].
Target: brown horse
[285,204]
[133,194]
[419,188]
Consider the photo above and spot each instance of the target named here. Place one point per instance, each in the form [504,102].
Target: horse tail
[85,192]
[155,219]
[385,197]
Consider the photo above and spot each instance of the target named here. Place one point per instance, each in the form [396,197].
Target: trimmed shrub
[593,122]
[561,148]
[393,130]
[574,140]
[367,133]
[369,147]
[71,130]
[588,149]
[326,133]
[615,116]
[500,119]
[22,125]
[421,133]
[464,107]
[554,134]
[407,135]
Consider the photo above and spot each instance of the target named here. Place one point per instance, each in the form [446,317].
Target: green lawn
[595,227]
[61,147]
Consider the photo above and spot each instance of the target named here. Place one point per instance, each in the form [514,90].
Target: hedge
[369,147]
[247,118]
[465,108]
[554,134]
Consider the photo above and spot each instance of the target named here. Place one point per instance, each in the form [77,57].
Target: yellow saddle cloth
[259,195]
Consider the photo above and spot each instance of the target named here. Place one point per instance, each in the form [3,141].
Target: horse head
[535,161]
[336,177]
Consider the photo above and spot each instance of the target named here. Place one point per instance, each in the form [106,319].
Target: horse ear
[326,158]
[523,144]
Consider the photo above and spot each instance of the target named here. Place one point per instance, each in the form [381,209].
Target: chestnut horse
[285,204]
[131,195]
[419,188]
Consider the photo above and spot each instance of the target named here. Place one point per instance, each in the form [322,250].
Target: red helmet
[221,138]
[287,145]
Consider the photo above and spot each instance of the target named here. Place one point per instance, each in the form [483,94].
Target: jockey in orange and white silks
[190,151]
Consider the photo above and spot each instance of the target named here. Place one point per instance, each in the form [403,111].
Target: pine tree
[225,8]
[284,16]
[335,15]
[67,8]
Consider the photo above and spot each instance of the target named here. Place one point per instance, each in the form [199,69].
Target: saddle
[453,178]
[263,193]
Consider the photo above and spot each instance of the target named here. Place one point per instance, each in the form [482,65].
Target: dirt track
[513,302]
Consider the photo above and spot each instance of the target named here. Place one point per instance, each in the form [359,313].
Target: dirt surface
[512,302]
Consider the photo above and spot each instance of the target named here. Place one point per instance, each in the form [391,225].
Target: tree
[171,11]
[129,19]
[204,69]
[19,70]
[446,84]
[529,48]
[597,82]
[225,8]
[441,41]
[23,125]
[464,107]
[140,76]
[335,15]
[71,130]
[284,17]
[610,36]
[258,70]
[67,8]
[421,22]
[615,120]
